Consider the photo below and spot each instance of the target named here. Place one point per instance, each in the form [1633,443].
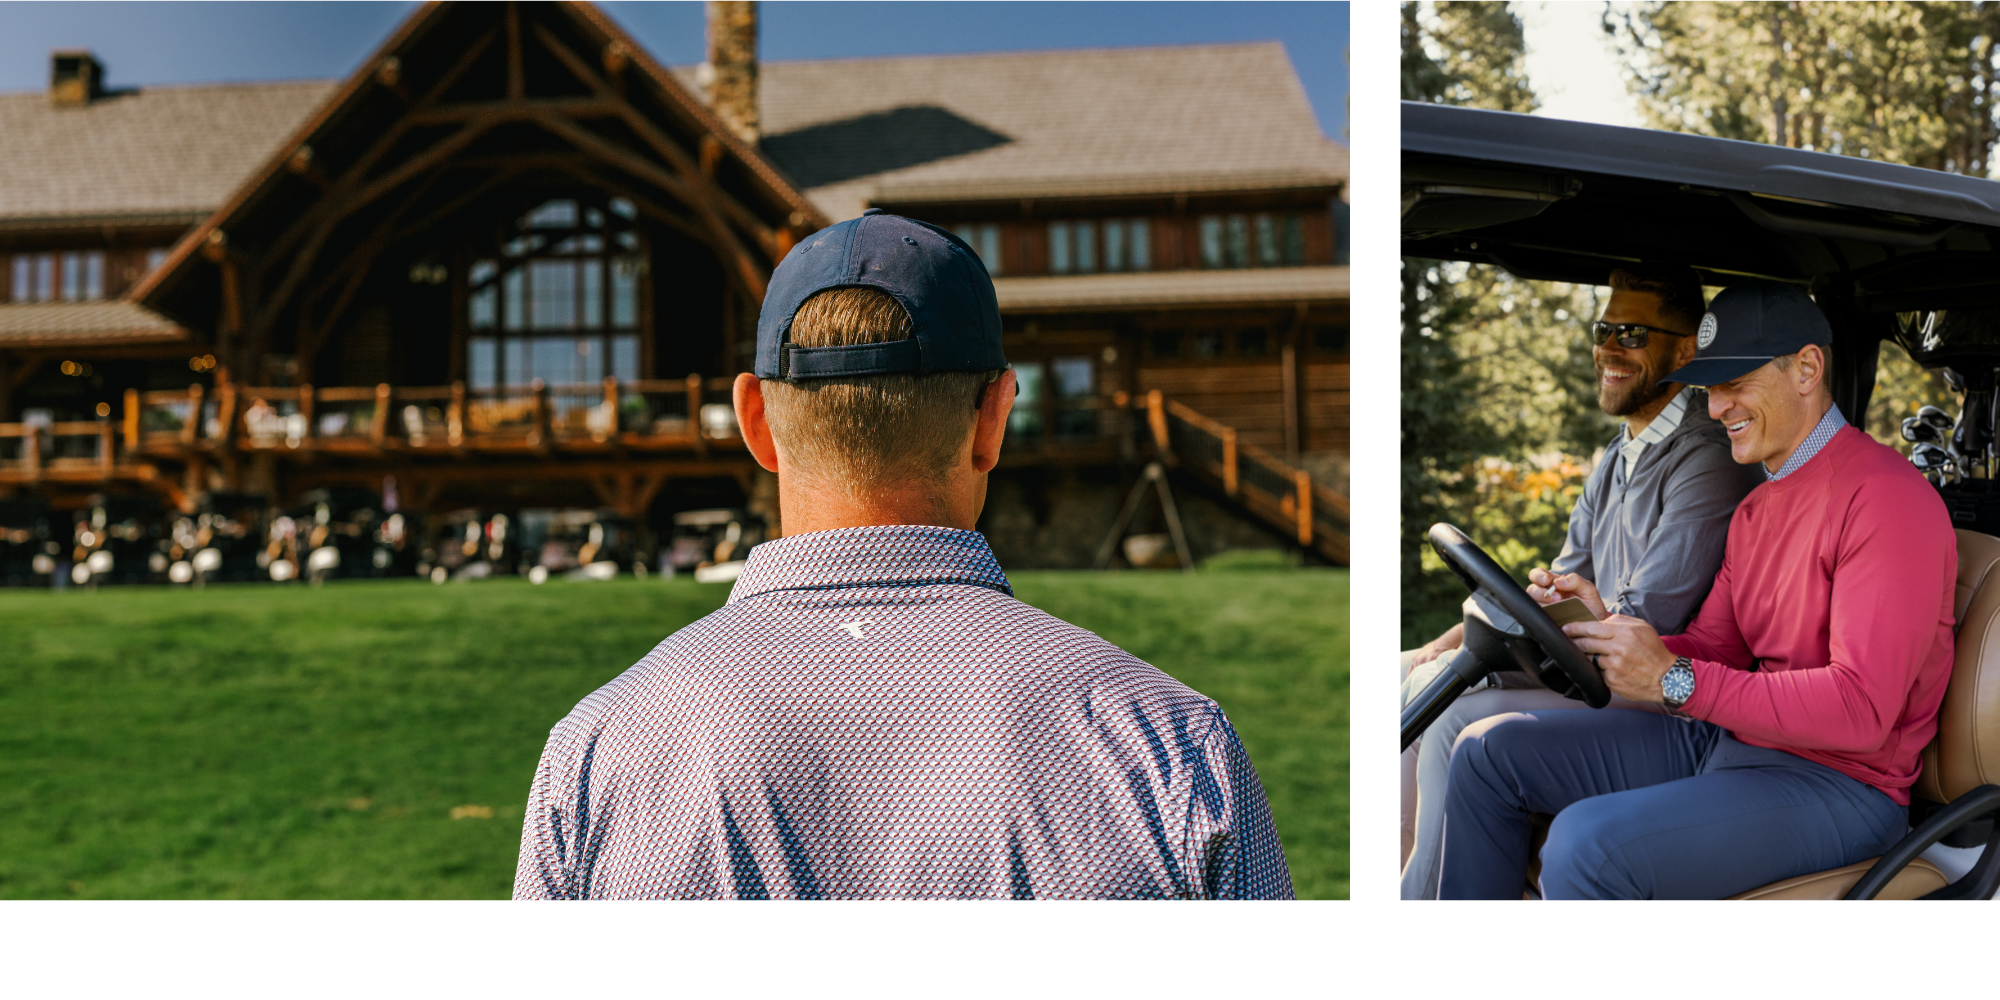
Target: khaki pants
[1427,762]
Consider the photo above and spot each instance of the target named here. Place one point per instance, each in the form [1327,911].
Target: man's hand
[1628,652]
[1547,588]
[1453,638]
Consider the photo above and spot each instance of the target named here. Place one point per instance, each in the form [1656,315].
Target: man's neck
[805,506]
[1818,409]
[1637,422]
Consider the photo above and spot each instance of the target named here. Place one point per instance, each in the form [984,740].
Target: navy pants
[1647,807]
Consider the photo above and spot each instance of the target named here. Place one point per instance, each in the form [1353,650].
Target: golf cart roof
[1569,201]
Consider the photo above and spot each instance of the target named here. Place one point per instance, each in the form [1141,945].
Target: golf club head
[1936,418]
[1914,429]
[1929,458]
[1953,380]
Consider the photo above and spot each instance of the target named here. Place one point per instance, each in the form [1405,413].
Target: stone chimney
[730,74]
[75,78]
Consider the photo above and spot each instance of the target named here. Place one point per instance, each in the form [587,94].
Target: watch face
[1677,685]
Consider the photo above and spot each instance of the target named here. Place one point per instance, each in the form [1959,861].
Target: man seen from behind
[873,714]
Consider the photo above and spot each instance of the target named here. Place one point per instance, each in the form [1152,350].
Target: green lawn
[261,741]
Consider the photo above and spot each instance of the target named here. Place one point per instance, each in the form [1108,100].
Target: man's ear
[1810,368]
[748,395]
[996,401]
[1684,348]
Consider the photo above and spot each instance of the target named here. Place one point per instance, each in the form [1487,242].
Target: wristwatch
[1677,684]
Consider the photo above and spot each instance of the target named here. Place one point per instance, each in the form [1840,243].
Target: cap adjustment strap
[894,357]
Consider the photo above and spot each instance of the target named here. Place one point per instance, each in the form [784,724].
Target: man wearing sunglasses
[1648,529]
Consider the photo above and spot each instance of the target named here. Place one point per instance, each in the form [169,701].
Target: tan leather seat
[1965,753]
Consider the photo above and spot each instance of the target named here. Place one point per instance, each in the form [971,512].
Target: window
[1024,422]
[155,257]
[1074,383]
[1086,246]
[1211,241]
[1236,247]
[83,276]
[984,239]
[1059,259]
[35,277]
[1329,340]
[1339,232]
[560,300]
[1128,245]
[1268,252]
[1262,240]
[1255,342]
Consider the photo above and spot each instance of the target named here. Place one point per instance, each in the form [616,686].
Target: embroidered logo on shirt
[854,628]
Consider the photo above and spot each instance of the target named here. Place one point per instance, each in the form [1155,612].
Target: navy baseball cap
[1746,327]
[939,280]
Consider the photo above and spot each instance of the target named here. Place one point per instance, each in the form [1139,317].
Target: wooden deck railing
[660,413]
[32,451]
[1280,493]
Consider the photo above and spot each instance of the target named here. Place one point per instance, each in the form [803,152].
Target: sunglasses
[1632,335]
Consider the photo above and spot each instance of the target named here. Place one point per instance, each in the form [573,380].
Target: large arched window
[560,301]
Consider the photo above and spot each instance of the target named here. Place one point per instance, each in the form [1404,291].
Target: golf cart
[1889,253]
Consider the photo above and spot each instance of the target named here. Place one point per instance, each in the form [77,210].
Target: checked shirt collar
[1828,426]
[887,555]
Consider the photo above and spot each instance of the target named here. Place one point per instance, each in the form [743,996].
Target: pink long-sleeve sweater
[1836,585]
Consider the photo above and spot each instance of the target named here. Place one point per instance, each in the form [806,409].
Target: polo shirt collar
[1665,423]
[886,555]
[1828,426]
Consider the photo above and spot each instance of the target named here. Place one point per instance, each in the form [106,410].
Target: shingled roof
[161,155]
[1069,123]
[54,324]
[852,131]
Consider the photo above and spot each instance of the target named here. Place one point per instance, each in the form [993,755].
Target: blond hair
[859,433]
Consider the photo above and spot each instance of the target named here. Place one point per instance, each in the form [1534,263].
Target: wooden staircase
[1270,488]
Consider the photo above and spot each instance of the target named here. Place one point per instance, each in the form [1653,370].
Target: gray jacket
[1654,544]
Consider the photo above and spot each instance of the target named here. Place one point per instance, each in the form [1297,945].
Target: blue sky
[161,43]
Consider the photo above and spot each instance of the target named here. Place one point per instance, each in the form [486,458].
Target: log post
[31,451]
[378,429]
[225,413]
[610,426]
[306,411]
[455,417]
[538,434]
[1156,418]
[1229,461]
[191,431]
[1305,506]
[131,421]
[694,414]
[104,445]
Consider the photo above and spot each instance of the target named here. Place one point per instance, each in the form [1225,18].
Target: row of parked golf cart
[348,533]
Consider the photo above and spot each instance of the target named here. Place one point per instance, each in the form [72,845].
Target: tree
[1909,83]
[1498,399]
[1904,82]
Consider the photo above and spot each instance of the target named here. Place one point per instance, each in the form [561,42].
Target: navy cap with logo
[1746,327]
[940,281]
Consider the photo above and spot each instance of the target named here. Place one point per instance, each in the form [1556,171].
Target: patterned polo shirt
[1829,424]
[873,715]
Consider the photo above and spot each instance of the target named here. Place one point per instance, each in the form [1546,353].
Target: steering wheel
[1565,667]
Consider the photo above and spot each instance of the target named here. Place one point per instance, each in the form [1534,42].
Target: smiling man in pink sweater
[1805,688]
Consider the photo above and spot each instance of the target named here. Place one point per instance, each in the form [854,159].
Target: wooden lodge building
[512,261]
